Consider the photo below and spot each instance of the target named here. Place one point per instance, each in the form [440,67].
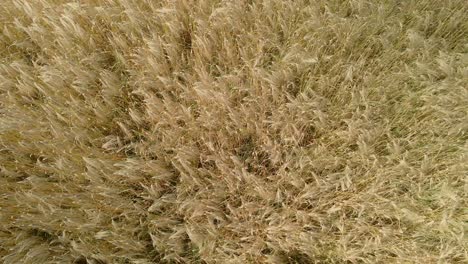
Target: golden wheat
[182,131]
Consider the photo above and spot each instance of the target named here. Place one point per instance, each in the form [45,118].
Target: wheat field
[183,131]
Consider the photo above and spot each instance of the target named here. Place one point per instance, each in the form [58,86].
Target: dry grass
[138,131]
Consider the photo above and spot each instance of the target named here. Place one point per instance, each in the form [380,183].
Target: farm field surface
[270,131]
